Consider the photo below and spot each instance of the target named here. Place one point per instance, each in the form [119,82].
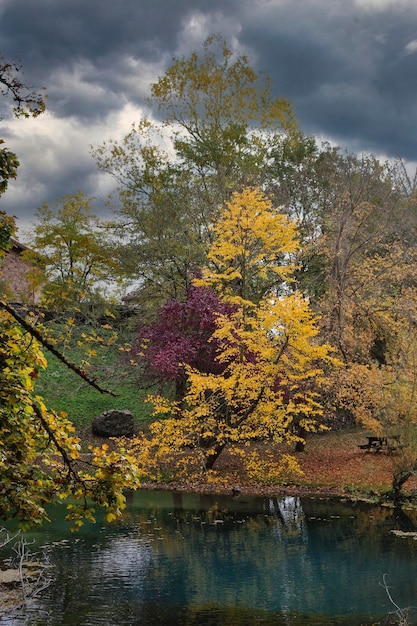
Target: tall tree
[357,225]
[222,116]
[268,344]
[69,243]
[298,180]
[219,124]
[356,221]
[366,228]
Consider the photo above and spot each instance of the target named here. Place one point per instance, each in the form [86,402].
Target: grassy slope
[64,391]
[331,463]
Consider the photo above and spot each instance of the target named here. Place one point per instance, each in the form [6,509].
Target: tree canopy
[181,335]
[253,250]
[70,245]
[268,343]
[219,125]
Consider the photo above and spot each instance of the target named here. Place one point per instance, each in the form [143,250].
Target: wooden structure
[378,444]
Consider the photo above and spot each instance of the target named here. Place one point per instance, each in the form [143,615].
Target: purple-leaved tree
[181,334]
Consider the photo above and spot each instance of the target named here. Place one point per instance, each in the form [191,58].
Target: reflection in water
[185,559]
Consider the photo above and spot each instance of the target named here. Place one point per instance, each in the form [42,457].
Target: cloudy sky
[349,67]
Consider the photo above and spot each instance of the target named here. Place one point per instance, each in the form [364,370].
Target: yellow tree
[40,456]
[272,361]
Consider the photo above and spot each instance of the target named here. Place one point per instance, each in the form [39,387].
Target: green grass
[64,390]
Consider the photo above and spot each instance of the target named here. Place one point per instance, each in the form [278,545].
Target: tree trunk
[301,432]
[398,480]
[180,388]
[212,458]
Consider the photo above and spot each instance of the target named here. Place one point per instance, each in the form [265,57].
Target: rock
[113,423]
[10,577]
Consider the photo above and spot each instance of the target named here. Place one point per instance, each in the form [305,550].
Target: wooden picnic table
[376,444]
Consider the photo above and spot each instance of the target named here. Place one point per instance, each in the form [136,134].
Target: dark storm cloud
[99,36]
[56,33]
[348,66]
[345,68]
[92,38]
[71,44]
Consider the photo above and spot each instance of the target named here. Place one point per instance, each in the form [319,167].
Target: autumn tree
[69,244]
[220,111]
[356,224]
[367,250]
[269,343]
[218,125]
[25,102]
[181,335]
[363,230]
[40,456]
[370,301]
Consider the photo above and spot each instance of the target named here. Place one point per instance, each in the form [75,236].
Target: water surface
[189,559]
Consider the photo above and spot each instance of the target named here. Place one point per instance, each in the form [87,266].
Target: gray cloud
[346,70]
[348,67]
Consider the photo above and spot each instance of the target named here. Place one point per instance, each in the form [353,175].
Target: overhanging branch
[34,332]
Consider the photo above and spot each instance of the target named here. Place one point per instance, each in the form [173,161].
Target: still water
[197,560]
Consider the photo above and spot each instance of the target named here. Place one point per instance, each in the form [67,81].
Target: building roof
[18,245]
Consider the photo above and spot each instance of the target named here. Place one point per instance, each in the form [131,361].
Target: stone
[113,423]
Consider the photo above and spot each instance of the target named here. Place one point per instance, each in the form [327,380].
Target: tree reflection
[181,557]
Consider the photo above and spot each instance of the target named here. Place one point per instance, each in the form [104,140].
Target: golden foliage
[39,454]
[272,361]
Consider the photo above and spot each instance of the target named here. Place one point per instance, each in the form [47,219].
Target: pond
[202,560]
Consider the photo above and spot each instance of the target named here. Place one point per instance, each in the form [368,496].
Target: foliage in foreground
[39,453]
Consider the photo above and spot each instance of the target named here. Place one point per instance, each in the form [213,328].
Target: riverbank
[332,464]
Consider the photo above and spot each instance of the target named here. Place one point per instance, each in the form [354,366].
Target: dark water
[198,560]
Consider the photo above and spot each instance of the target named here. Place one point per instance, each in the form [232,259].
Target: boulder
[113,423]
